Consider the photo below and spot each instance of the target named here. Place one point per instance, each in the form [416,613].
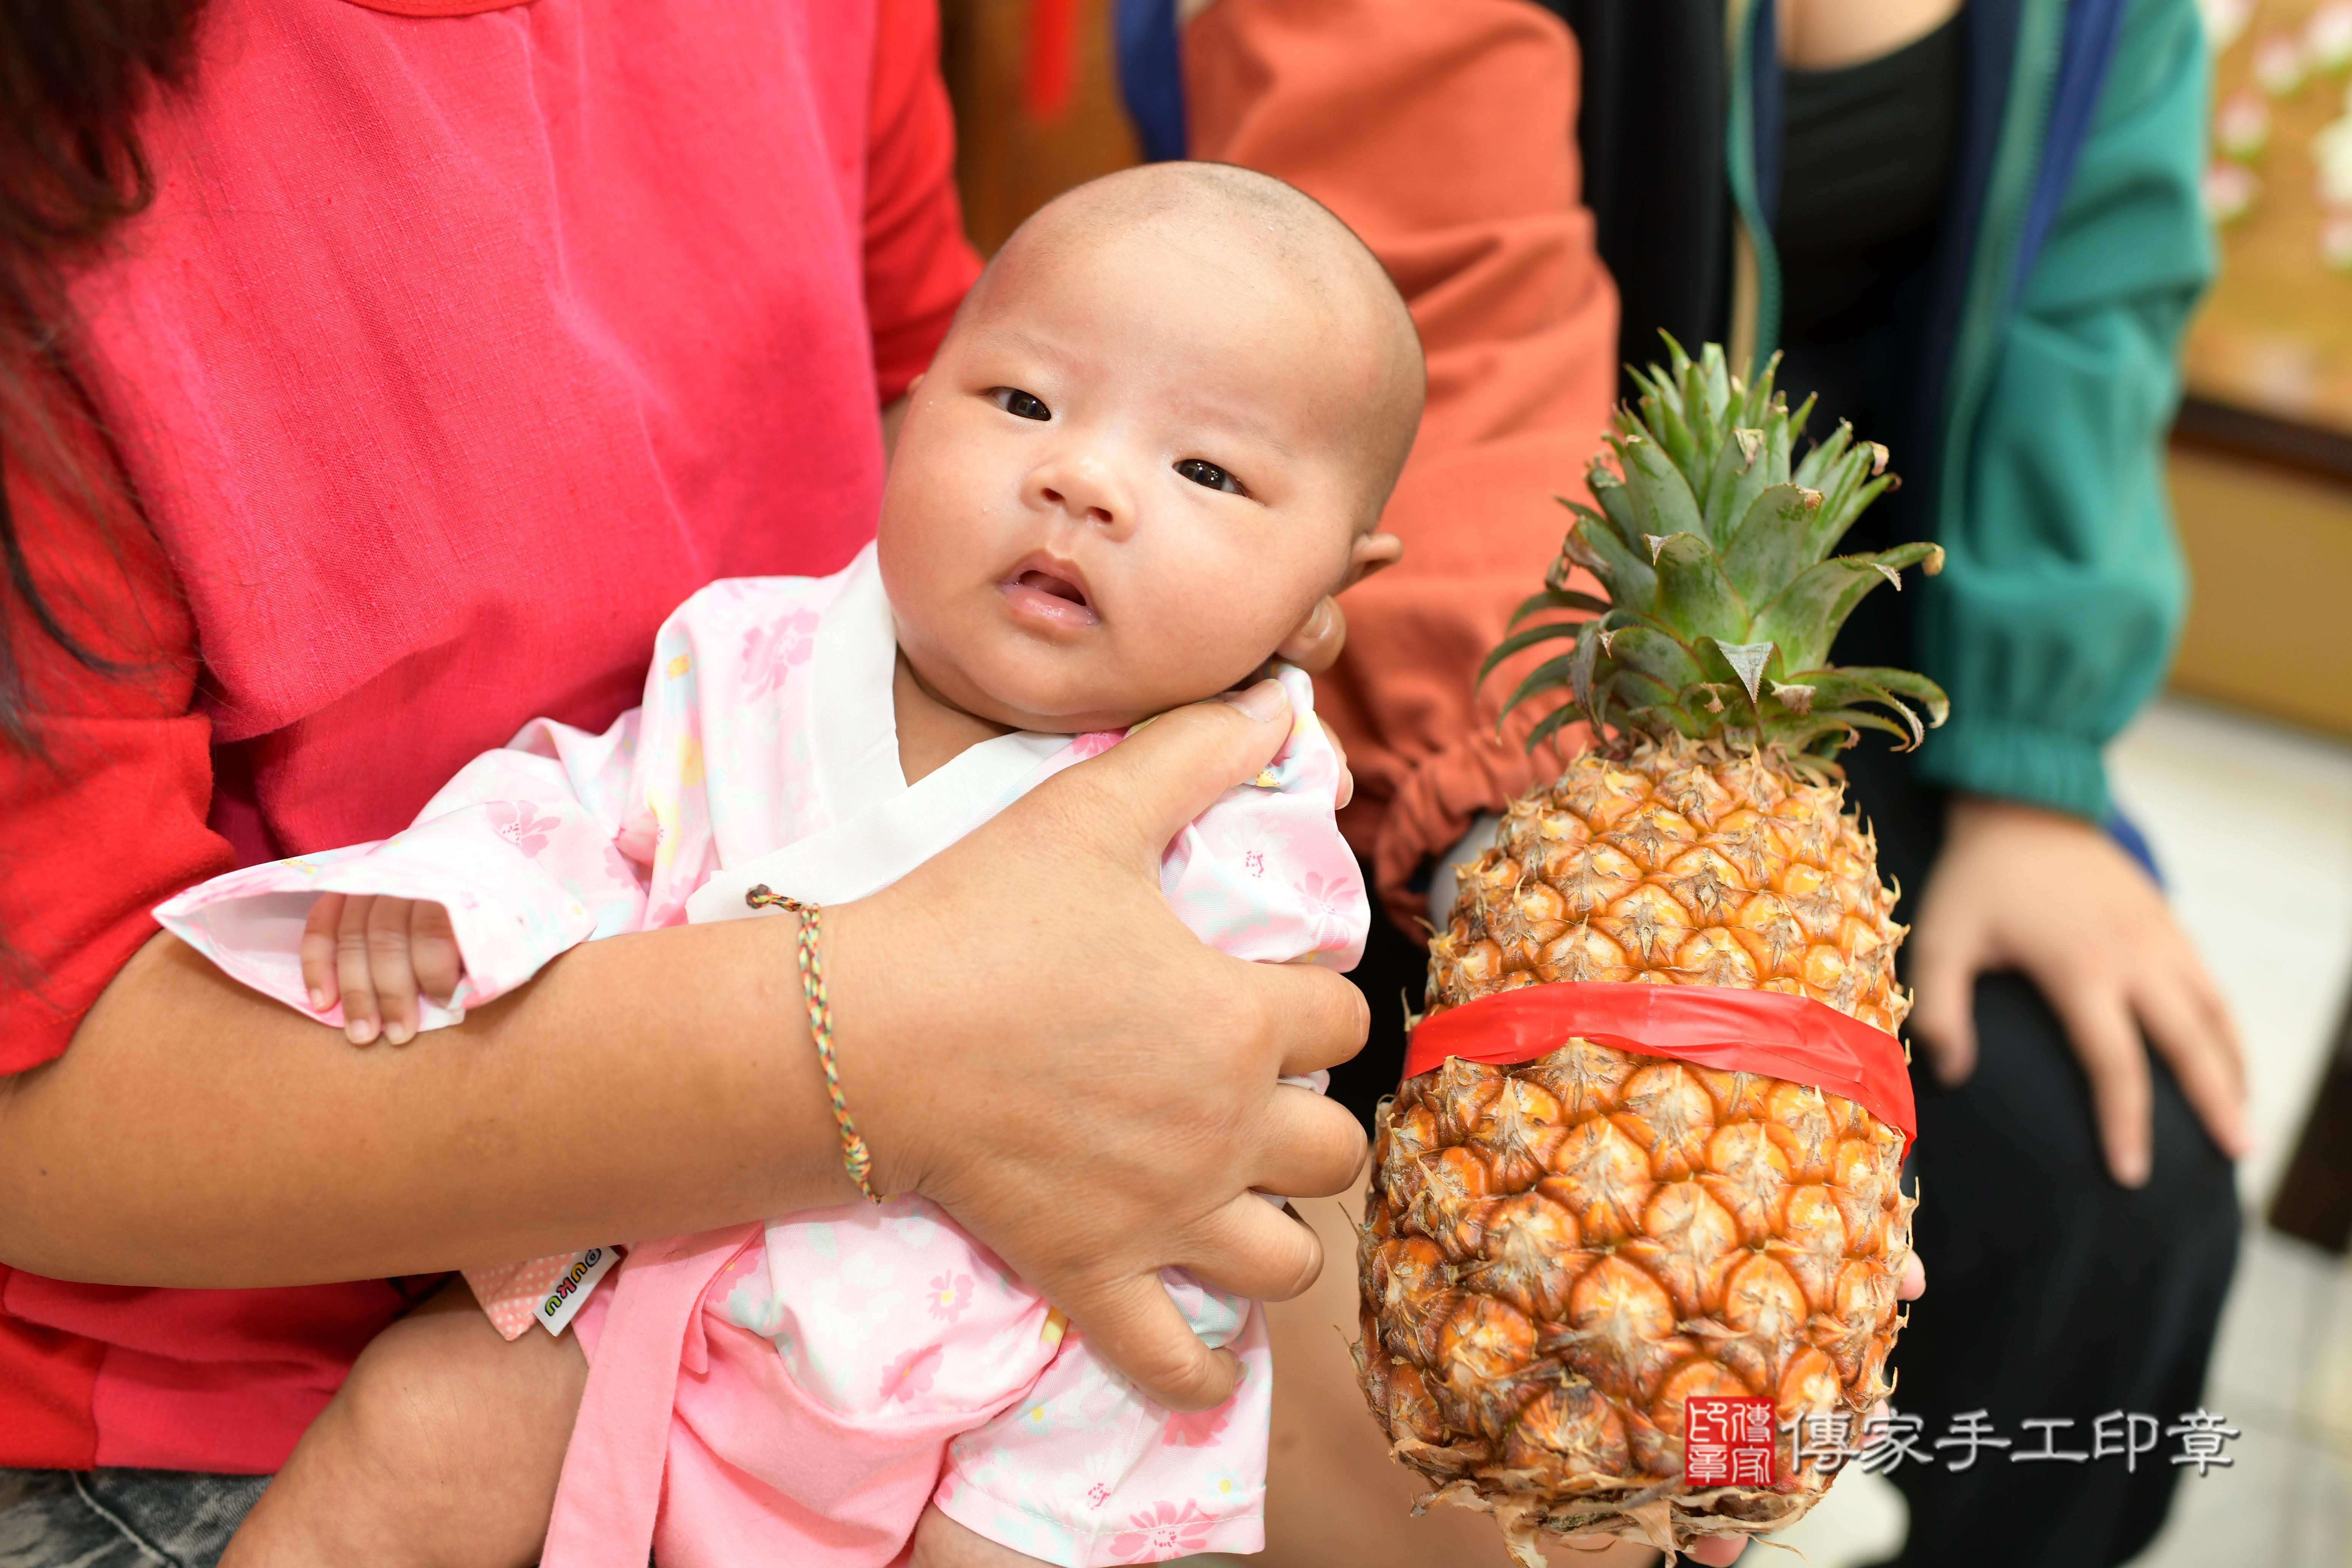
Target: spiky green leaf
[1616,506]
[1770,546]
[1804,617]
[1826,453]
[1713,538]
[1738,474]
[1519,642]
[1809,733]
[1663,422]
[1557,599]
[1582,666]
[1632,581]
[1844,688]
[1749,663]
[1650,652]
[1636,689]
[1549,676]
[1660,495]
[1656,718]
[1907,684]
[1694,597]
[1722,701]
[1552,723]
[1864,718]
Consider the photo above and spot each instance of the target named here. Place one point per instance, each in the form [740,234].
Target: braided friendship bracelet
[855,1156]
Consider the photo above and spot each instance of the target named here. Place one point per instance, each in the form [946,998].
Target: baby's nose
[1086,492]
[1088,510]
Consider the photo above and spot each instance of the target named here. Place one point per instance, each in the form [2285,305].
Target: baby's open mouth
[1059,587]
[1050,594]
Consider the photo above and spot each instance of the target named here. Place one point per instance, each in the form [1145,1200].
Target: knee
[408,1397]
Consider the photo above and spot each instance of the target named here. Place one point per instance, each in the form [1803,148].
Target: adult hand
[2051,896]
[1083,1084]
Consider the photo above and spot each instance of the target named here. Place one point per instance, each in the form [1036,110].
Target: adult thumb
[1135,1327]
[1170,768]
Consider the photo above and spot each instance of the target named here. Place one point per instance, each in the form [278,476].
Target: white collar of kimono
[882,826]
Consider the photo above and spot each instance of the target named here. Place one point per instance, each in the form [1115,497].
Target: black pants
[2053,1293]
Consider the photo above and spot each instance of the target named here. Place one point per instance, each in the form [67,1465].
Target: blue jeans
[119,1518]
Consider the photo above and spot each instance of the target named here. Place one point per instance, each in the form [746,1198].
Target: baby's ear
[1373,552]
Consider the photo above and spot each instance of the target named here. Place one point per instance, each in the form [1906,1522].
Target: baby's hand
[376,953]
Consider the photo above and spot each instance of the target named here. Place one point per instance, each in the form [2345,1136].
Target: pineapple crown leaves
[1713,539]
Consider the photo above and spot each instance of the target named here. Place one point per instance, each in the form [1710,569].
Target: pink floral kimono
[796,1392]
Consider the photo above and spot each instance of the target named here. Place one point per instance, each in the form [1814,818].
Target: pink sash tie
[610,1494]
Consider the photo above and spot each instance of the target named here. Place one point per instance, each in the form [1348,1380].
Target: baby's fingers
[361,1021]
[433,950]
[319,951]
[393,971]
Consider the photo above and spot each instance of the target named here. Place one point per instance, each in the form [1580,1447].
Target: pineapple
[1557,1255]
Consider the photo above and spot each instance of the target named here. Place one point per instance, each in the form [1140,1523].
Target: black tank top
[1868,153]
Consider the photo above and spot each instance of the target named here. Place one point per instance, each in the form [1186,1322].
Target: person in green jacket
[1986,241]
[1976,232]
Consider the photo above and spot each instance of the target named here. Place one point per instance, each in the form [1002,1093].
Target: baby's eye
[1209,474]
[1022,404]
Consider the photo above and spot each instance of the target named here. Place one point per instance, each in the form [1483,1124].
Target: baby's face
[1124,479]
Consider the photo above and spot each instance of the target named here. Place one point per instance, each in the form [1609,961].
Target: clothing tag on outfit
[560,1305]
[543,1291]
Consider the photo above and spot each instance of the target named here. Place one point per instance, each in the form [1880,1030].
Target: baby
[1160,432]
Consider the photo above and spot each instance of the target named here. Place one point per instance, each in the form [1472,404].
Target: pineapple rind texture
[1678,862]
[1556,1255]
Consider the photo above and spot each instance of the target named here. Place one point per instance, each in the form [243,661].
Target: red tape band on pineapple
[1792,1037]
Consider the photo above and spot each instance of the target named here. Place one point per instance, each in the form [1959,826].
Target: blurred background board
[2276,334]
[2270,561]
[2262,465]
[1036,105]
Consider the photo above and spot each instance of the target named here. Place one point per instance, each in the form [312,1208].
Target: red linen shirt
[455,351]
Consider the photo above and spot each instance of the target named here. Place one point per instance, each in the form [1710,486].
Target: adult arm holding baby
[199,1135]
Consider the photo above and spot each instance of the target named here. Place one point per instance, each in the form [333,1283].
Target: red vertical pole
[1053,58]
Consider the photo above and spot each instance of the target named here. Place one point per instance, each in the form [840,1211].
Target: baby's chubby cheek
[1195,626]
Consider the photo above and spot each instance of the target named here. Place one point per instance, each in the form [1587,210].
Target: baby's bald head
[1160,432]
[1312,288]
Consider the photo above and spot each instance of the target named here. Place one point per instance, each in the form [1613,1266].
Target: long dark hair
[74,74]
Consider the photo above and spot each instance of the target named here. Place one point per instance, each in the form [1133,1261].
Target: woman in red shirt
[456,346]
